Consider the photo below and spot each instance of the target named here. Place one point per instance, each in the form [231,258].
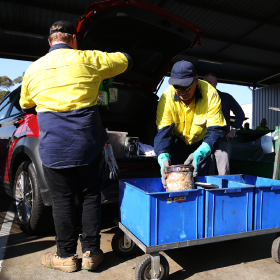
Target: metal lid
[179,168]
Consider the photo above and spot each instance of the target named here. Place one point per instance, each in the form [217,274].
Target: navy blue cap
[182,74]
[67,27]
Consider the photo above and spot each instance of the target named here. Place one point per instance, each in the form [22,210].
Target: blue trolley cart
[220,208]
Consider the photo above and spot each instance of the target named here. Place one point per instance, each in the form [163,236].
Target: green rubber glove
[203,151]
[161,158]
[164,161]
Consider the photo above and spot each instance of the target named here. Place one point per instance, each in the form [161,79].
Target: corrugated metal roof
[266,35]
[242,35]
[263,99]
[258,7]
[209,21]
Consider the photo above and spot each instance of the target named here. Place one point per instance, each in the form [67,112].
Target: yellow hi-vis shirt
[67,79]
[190,122]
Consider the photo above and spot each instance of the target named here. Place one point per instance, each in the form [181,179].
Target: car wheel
[32,215]
[118,245]
[143,268]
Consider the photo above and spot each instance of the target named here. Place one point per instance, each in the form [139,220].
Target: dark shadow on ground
[217,255]
[20,238]
[27,248]
[5,202]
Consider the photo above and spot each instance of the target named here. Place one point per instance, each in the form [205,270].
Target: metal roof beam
[231,12]
[47,6]
[22,53]
[226,78]
[25,31]
[270,76]
[222,60]
[17,30]
[239,42]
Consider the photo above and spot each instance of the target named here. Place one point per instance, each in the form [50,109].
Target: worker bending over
[63,85]
[189,121]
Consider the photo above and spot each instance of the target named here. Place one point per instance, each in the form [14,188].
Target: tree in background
[6,83]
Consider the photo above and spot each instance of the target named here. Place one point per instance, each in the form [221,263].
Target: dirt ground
[248,258]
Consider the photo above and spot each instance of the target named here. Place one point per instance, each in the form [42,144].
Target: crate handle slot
[275,188]
[176,194]
[233,190]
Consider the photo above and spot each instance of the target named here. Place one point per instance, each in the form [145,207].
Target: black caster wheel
[275,250]
[118,245]
[143,268]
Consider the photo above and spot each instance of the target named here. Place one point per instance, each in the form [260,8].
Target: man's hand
[198,155]
[163,175]
[230,135]
[190,160]
[164,161]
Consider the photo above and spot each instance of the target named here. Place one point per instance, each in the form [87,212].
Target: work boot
[91,260]
[69,264]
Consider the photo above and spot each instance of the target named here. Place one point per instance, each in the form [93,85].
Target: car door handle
[18,121]
[15,122]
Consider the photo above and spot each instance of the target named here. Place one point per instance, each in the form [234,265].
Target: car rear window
[4,106]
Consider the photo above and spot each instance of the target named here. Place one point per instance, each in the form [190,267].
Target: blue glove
[201,153]
[164,161]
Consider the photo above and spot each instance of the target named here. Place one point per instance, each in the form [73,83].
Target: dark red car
[152,36]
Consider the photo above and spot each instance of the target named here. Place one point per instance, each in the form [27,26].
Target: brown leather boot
[70,264]
[92,260]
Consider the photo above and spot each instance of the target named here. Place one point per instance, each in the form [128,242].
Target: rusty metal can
[179,177]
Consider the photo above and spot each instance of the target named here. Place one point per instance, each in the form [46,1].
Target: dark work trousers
[179,152]
[85,181]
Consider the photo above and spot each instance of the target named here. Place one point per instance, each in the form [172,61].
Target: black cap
[67,27]
[182,74]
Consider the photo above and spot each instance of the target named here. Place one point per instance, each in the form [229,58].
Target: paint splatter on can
[179,177]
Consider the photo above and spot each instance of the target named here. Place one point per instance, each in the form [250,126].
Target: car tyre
[32,215]
[275,250]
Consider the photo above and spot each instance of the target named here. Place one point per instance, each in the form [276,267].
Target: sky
[14,68]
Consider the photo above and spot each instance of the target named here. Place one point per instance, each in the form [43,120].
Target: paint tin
[179,177]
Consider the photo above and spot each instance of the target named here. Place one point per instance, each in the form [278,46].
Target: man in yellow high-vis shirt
[63,85]
[189,120]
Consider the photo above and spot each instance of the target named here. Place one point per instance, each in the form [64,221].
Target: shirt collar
[59,46]
[197,95]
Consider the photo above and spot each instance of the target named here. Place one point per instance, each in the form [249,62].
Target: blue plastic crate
[267,199]
[158,217]
[228,209]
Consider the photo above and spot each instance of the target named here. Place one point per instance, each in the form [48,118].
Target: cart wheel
[143,268]
[275,250]
[118,245]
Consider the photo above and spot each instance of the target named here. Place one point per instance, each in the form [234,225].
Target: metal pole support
[126,241]
[277,157]
[155,259]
